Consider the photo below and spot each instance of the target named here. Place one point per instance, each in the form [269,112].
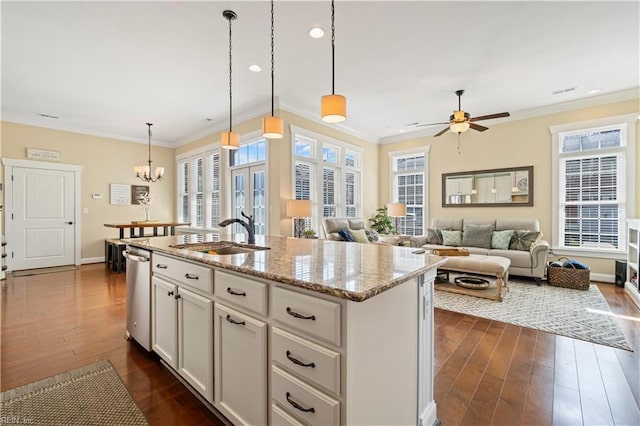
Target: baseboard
[603,278]
[633,294]
[88,260]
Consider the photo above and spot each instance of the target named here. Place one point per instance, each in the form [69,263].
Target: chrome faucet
[248,225]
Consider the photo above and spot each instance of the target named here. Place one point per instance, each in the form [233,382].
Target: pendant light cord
[272,64]
[230,85]
[149,124]
[333,49]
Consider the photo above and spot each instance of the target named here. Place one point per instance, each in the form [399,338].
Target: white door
[42,218]
[249,195]
[195,341]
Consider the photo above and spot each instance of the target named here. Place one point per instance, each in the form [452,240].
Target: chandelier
[144,172]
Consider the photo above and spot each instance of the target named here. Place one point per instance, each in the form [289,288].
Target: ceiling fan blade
[441,132]
[478,127]
[431,124]
[490,116]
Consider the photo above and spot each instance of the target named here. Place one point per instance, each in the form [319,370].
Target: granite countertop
[347,270]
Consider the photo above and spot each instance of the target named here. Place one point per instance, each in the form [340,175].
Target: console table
[168,228]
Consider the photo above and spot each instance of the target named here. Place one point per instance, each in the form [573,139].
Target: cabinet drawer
[308,403]
[312,362]
[195,276]
[240,291]
[279,417]
[313,316]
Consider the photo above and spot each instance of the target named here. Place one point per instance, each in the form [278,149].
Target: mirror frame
[528,203]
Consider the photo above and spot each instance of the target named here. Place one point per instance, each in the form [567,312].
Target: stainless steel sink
[221,247]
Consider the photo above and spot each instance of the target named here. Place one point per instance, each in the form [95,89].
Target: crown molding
[607,98]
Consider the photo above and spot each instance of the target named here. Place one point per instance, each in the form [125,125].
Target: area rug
[579,314]
[91,395]
[38,271]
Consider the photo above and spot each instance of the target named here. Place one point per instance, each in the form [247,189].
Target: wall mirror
[510,187]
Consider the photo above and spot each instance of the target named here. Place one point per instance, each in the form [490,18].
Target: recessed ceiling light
[316,32]
[255,68]
[593,91]
[401,130]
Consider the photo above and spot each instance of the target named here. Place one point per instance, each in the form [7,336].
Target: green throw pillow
[500,239]
[359,235]
[523,240]
[451,238]
[477,236]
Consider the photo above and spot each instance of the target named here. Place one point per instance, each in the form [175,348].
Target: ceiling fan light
[459,115]
[272,127]
[333,108]
[459,127]
[230,140]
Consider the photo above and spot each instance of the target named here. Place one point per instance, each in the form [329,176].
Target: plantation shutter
[214,199]
[329,207]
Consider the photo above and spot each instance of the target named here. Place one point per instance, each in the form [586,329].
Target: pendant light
[144,172]
[333,107]
[272,126]
[230,139]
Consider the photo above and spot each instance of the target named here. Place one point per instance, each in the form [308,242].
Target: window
[327,172]
[199,189]
[593,189]
[409,186]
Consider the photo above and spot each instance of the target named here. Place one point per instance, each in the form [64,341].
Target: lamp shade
[230,140]
[397,209]
[333,108]
[272,127]
[299,208]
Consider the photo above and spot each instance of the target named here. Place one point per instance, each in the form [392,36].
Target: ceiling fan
[460,121]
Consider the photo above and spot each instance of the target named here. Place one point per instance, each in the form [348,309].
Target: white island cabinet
[182,320]
[300,344]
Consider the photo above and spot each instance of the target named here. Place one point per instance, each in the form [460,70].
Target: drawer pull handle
[161,266]
[170,293]
[297,315]
[235,293]
[298,406]
[190,277]
[232,321]
[298,362]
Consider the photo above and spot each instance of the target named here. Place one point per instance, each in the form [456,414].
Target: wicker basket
[559,276]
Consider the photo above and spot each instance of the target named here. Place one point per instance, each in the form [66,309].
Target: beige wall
[104,161]
[524,142]
[280,165]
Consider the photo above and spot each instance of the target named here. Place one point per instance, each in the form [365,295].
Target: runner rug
[579,314]
[91,395]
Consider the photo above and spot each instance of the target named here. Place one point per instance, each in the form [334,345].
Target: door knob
[69,223]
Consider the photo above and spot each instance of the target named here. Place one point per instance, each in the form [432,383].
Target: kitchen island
[307,331]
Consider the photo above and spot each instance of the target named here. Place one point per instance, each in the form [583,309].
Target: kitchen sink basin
[221,247]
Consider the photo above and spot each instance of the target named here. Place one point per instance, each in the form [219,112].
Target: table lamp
[396,210]
[298,210]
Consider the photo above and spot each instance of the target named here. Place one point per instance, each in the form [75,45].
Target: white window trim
[422,150]
[320,140]
[630,197]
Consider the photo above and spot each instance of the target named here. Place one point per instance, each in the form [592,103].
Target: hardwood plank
[593,396]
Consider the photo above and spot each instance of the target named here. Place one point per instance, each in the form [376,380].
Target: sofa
[332,227]
[526,249]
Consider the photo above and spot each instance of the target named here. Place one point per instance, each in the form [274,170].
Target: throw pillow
[372,235]
[434,236]
[477,236]
[500,239]
[451,238]
[359,235]
[346,235]
[524,240]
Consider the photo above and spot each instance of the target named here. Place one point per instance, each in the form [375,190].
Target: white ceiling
[107,68]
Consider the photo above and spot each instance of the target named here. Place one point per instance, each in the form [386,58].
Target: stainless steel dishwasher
[139,295]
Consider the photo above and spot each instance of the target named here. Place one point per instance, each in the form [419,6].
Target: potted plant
[309,233]
[382,222]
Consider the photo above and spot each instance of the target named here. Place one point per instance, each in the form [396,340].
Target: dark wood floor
[487,372]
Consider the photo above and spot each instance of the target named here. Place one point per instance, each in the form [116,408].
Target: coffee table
[494,266]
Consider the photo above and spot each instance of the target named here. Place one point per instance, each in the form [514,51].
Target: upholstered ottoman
[477,264]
